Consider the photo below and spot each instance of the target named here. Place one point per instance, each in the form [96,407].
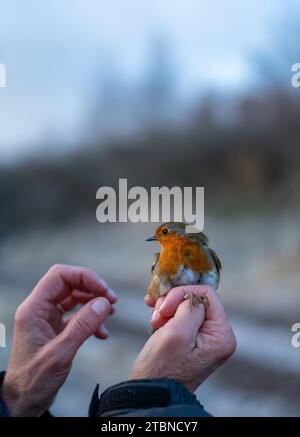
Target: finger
[150,301]
[68,304]
[79,297]
[84,297]
[102,332]
[61,280]
[157,319]
[66,318]
[112,310]
[215,310]
[187,320]
[82,325]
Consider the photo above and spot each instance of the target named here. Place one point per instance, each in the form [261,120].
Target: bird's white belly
[189,277]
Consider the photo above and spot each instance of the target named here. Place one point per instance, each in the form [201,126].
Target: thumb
[187,319]
[84,324]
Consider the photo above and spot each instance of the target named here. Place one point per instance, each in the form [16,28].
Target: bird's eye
[165,231]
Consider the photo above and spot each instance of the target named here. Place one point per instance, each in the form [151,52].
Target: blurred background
[172,92]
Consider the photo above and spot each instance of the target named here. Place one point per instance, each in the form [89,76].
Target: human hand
[190,343]
[45,342]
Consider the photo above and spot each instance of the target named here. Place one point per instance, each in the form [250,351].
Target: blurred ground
[260,289]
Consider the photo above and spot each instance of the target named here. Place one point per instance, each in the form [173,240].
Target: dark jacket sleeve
[139,398]
[3,408]
[146,398]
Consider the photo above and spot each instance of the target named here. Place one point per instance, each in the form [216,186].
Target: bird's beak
[151,238]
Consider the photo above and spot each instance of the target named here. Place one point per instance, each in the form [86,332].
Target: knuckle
[231,345]
[81,325]
[170,338]
[56,268]
[228,346]
[167,338]
[21,315]
[86,271]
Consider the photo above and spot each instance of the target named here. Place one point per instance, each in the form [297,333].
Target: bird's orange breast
[180,251]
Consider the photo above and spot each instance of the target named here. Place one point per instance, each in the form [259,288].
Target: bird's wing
[198,237]
[215,259]
[155,261]
[159,284]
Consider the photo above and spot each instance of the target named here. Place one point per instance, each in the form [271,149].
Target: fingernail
[99,307]
[112,293]
[104,330]
[162,306]
[102,282]
[154,315]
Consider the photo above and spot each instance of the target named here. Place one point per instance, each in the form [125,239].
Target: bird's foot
[194,300]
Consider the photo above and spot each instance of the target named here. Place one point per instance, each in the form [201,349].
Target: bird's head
[169,232]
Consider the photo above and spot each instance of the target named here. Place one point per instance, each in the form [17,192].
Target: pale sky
[53,51]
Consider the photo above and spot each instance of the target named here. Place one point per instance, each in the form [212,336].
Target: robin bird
[185,259]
